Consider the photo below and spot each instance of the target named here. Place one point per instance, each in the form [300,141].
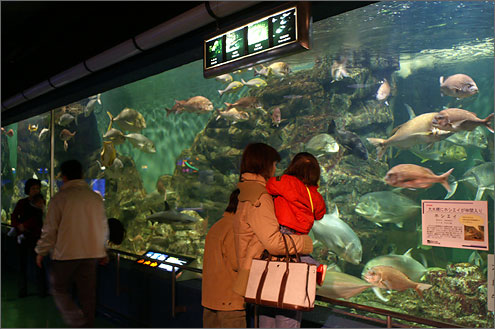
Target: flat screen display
[234,44]
[214,52]
[258,39]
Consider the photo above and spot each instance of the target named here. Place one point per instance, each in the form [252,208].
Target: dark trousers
[64,274]
[27,260]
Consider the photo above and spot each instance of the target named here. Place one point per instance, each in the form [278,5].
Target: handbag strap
[311,201]
[298,258]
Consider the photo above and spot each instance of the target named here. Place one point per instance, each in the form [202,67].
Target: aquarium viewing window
[278,32]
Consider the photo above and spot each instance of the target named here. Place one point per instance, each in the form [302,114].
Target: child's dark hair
[232,206]
[258,158]
[116,231]
[305,167]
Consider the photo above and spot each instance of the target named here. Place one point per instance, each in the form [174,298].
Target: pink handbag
[286,283]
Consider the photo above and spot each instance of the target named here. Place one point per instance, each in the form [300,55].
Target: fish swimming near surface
[338,70]
[383,91]
[196,104]
[418,130]
[404,263]
[414,176]
[458,85]
[115,135]
[245,104]
[276,116]
[233,87]
[170,216]
[339,237]
[387,207]
[88,109]
[43,133]
[342,285]
[224,78]
[141,142]
[349,140]
[454,119]
[32,128]
[442,152]
[256,82]
[66,135]
[322,144]
[108,154]
[387,277]
[474,138]
[232,114]
[129,120]
[480,179]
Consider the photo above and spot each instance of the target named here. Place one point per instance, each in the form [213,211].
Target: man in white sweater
[74,232]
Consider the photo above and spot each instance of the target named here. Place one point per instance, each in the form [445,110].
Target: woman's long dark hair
[258,158]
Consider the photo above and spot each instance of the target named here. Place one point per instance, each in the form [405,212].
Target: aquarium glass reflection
[395,100]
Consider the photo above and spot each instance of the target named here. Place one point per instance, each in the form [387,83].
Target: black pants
[27,259]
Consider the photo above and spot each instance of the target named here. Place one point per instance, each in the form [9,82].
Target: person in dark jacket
[27,219]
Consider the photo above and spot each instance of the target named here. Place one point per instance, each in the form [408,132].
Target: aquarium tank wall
[164,152]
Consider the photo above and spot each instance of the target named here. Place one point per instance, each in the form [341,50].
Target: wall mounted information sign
[455,224]
[283,30]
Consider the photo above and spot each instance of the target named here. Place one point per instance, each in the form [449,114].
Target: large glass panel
[164,152]
[25,154]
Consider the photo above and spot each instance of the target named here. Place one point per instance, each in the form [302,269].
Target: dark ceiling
[43,38]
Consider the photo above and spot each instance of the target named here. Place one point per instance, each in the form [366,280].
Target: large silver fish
[171,216]
[442,152]
[341,285]
[387,207]
[404,263]
[141,142]
[480,178]
[338,237]
[129,120]
[474,138]
[115,135]
[322,144]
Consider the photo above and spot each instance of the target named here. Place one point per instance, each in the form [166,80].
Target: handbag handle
[298,258]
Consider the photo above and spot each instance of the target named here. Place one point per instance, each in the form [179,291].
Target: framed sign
[283,30]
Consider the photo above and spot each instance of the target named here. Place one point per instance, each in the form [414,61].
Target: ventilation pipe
[191,20]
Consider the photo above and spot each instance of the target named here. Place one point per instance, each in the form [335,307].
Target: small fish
[9,133]
[141,142]
[233,87]
[413,176]
[129,120]
[387,207]
[32,128]
[65,119]
[349,140]
[361,85]
[115,135]
[338,70]
[387,277]
[245,104]
[224,78]
[66,135]
[43,133]
[276,116]
[293,96]
[256,82]
[458,85]
[88,109]
[264,71]
[454,119]
[342,285]
[108,154]
[322,144]
[233,114]
[196,104]
[383,92]
[474,138]
[280,69]
[117,164]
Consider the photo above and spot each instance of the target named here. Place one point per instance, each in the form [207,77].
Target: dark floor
[32,311]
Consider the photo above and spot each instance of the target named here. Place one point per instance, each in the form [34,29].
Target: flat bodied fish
[338,237]
[454,119]
[128,120]
[414,176]
[387,207]
[233,87]
[141,142]
[171,216]
[342,285]
[458,85]
[349,140]
[322,144]
[480,178]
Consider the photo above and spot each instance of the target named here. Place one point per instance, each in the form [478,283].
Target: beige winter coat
[256,228]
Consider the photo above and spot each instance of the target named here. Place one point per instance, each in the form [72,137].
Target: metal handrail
[370,309]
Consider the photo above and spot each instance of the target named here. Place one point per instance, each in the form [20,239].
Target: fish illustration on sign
[339,237]
[458,85]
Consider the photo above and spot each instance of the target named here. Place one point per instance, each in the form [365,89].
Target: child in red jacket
[297,201]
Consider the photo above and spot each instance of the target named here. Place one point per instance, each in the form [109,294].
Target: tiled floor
[32,311]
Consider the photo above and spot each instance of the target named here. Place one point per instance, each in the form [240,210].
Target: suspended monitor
[280,31]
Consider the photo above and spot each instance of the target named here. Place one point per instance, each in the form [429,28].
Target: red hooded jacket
[292,203]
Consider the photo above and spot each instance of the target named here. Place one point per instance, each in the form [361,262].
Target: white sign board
[455,224]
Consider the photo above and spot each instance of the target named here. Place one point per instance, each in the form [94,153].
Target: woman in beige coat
[256,227]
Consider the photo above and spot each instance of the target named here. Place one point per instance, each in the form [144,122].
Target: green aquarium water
[169,158]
